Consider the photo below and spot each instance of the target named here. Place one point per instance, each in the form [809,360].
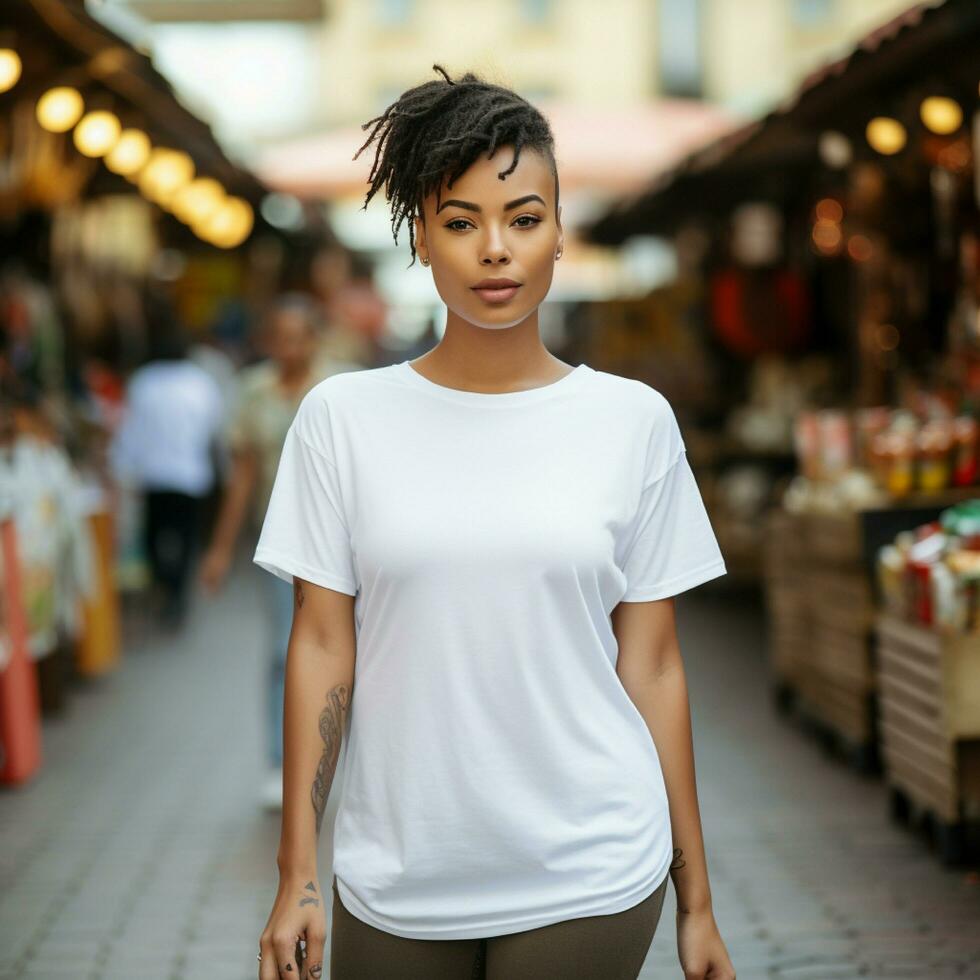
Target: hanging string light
[10,69]
[195,202]
[97,133]
[165,173]
[60,108]
[130,153]
[229,225]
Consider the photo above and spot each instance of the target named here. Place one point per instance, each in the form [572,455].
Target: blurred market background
[771,215]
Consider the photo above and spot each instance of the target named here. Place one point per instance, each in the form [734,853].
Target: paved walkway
[140,851]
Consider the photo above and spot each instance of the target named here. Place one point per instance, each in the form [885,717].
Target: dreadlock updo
[437,130]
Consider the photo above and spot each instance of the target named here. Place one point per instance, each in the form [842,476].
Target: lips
[496,290]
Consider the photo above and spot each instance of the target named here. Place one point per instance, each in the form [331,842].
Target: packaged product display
[901,451]
[931,574]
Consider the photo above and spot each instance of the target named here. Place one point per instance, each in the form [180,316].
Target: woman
[498,537]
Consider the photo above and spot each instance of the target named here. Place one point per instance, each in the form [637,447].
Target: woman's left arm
[651,670]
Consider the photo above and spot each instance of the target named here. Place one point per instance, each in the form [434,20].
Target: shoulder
[346,385]
[341,394]
[634,398]
[649,416]
[192,373]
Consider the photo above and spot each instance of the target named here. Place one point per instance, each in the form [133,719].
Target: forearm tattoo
[331,732]
[679,861]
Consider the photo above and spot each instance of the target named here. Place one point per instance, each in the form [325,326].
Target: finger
[268,970]
[285,947]
[315,941]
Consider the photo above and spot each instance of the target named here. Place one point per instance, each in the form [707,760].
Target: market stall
[112,192]
[830,254]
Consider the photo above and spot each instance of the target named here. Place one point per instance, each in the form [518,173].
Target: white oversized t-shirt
[497,777]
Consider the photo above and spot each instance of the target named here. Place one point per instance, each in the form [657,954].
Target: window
[536,11]
[393,13]
[679,47]
[811,13]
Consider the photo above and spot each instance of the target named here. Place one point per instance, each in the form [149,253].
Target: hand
[214,568]
[297,914]
[702,953]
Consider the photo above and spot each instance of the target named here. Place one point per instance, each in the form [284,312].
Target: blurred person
[269,395]
[352,306]
[165,444]
[484,546]
[213,352]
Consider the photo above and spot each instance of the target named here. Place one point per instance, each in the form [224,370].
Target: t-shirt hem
[505,927]
[679,583]
[285,567]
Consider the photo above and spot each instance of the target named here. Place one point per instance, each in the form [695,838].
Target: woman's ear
[421,250]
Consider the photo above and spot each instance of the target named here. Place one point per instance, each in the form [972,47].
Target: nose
[494,249]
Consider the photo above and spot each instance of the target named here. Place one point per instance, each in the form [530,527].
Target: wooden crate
[787,604]
[820,619]
[842,597]
[833,538]
[839,707]
[929,693]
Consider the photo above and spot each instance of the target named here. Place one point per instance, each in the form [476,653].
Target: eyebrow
[469,206]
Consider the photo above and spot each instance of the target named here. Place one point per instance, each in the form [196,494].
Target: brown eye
[457,221]
[528,217]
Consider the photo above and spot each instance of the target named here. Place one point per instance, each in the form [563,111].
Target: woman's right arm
[319,685]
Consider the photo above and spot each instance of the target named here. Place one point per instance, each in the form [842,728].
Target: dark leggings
[594,947]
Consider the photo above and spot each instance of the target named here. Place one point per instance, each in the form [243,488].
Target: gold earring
[425,261]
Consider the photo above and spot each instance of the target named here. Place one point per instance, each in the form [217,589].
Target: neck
[492,359]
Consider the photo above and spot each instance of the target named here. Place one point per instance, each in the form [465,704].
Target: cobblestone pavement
[140,851]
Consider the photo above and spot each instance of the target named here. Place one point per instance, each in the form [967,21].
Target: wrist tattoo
[307,899]
[331,732]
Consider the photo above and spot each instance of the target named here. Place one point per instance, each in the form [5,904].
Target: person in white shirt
[484,545]
[166,445]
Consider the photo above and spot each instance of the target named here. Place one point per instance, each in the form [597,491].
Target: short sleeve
[669,546]
[305,532]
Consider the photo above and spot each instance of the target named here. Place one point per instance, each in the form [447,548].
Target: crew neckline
[495,398]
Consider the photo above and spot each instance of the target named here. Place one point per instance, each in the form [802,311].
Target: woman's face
[487,228]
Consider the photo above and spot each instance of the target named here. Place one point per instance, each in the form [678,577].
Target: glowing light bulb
[60,108]
[941,115]
[130,152]
[165,173]
[195,202]
[229,225]
[886,135]
[10,69]
[97,133]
